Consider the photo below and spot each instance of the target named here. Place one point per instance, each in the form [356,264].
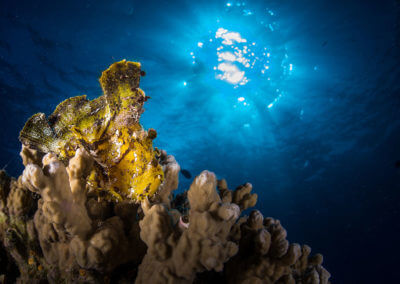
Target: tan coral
[265,256]
[18,200]
[204,245]
[196,236]
[62,194]
[62,226]
[241,196]
[61,210]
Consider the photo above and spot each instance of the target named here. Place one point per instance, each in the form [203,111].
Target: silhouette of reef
[58,226]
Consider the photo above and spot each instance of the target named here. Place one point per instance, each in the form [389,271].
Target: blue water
[301,98]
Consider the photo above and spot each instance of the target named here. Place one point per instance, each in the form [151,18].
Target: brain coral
[56,227]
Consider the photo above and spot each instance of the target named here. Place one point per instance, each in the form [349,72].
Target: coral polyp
[108,128]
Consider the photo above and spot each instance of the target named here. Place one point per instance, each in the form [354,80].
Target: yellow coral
[108,128]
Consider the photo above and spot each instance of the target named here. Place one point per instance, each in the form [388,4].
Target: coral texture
[179,249]
[57,227]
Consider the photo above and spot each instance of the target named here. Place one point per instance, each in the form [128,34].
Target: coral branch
[202,246]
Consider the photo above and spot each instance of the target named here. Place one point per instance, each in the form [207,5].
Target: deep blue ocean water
[301,98]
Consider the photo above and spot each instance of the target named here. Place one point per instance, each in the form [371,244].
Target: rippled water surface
[300,98]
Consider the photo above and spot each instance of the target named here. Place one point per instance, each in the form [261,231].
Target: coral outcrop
[57,226]
[179,248]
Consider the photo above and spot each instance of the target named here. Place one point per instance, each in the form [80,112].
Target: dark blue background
[322,159]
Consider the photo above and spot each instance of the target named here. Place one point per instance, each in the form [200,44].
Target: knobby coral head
[108,127]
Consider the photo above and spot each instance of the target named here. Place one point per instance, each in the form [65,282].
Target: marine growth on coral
[95,204]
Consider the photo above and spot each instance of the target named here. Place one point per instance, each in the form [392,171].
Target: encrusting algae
[108,129]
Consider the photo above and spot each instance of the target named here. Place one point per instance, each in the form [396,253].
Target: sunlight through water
[251,62]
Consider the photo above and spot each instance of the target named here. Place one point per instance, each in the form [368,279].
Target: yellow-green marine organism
[108,128]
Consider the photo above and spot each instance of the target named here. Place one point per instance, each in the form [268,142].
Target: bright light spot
[271,27]
[226,56]
[229,37]
[290,67]
[271,13]
[247,13]
[228,4]
[231,73]
[191,53]
[245,104]
[244,81]
[241,99]
[270,105]
[268,54]
[200,44]
[243,60]
[184,83]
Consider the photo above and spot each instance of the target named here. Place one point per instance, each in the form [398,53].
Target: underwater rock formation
[66,220]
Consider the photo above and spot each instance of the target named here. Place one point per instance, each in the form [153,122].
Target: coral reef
[57,226]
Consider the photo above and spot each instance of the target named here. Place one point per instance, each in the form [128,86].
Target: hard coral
[196,237]
[57,226]
[265,256]
[179,254]
[61,237]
